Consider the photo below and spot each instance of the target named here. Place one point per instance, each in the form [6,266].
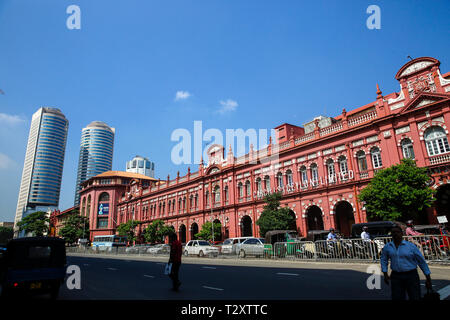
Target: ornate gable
[424,99]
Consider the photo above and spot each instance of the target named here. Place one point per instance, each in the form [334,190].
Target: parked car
[231,245]
[33,265]
[252,247]
[159,249]
[200,248]
[138,248]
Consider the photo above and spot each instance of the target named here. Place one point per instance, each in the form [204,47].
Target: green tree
[128,229]
[273,216]
[399,192]
[157,230]
[36,223]
[76,227]
[206,232]
[6,234]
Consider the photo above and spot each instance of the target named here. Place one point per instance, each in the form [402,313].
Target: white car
[159,248]
[231,245]
[200,248]
[252,247]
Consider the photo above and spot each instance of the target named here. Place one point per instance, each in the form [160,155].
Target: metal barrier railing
[433,248]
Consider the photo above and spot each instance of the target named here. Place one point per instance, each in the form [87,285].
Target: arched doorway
[443,201]
[246,226]
[215,222]
[194,231]
[182,233]
[344,218]
[315,221]
[293,225]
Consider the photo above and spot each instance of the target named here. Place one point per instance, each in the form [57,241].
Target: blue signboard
[103,209]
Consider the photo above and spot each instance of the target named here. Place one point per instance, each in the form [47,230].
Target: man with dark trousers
[405,257]
[175,259]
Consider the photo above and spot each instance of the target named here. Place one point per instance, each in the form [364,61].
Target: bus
[108,242]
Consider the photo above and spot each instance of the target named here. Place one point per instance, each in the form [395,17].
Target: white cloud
[182,95]
[10,119]
[228,106]
[6,162]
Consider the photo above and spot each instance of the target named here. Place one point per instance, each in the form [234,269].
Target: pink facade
[320,168]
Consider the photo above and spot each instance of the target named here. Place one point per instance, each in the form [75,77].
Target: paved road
[207,279]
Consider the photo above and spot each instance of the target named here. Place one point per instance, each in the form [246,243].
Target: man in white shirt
[365,234]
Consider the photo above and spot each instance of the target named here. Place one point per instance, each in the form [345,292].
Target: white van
[232,245]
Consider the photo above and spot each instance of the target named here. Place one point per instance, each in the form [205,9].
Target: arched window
[207,198]
[104,197]
[314,173]
[225,193]
[83,207]
[217,194]
[376,157]
[280,180]
[240,190]
[191,201]
[407,149]
[331,171]
[436,141]
[88,206]
[289,179]
[362,162]
[248,189]
[343,167]
[184,203]
[267,182]
[304,175]
[258,184]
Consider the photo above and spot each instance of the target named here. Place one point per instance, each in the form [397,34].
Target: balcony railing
[353,121]
[333,128]
[440,159]
[306,137]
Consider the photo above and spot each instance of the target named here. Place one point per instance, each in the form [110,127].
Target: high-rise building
[44,160]
[96,153]
[141,165]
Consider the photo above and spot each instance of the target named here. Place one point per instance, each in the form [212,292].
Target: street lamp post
[213,194]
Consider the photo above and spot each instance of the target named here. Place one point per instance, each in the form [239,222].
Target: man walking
[175,259]
[405,257]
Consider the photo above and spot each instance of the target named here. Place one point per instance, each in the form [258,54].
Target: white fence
[434,248]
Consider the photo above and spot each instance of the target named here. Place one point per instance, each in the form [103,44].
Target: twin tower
[44,160]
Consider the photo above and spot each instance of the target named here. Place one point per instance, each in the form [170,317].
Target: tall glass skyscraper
[44,160]
[96,153]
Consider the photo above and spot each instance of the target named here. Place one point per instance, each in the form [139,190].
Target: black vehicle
[316,235]
[376,229]
[34,265]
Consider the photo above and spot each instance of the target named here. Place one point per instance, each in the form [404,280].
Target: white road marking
[145,275]
[112,269]
[218,289]
[287,274]
[444,292]
[208,268]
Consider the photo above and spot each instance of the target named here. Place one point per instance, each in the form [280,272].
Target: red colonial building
[100,197]
[320,168]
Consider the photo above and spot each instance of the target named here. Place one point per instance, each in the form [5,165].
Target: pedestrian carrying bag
[168,268]
[431,295]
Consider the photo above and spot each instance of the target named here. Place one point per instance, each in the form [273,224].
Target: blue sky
[268,61]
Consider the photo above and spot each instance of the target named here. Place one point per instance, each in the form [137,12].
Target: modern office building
[96,153]
[44,160]
[142,166]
